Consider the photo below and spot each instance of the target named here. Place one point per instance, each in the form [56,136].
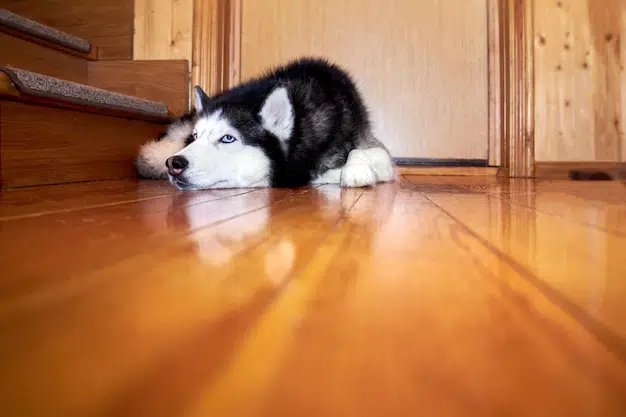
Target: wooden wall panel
[579,80]
[105,23]
[421,64]
[163,29]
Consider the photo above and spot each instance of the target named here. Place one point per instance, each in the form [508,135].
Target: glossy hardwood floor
[434,296]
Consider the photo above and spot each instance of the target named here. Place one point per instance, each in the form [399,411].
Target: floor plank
[434,296]
[37,201]
[577,264]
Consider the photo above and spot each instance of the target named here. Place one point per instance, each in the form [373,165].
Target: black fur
[330,118]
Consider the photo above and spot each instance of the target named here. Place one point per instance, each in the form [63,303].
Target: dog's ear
[277,114]
[201,99]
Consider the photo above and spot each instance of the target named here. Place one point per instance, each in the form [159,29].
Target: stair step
[33,87]
[30,30]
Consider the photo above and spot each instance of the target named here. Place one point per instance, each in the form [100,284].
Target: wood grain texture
[520,88]
[579,80]
[442,297]
[163,29]
[42,200]
[212,45]
[558,251]
[29,56]
[496,32]
[428,94]
[166,81]
[561,169]
[233,35]
[43,145]
[107,24]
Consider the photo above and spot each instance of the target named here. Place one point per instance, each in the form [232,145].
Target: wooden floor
[437,296]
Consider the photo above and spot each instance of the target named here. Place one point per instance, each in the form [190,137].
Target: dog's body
[303,123]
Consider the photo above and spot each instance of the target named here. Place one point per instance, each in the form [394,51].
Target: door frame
[511,86]
[216,65]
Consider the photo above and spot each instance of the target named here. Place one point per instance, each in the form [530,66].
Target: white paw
[381,163]
[357,175]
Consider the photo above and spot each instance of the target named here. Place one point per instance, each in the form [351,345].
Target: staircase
[70,114]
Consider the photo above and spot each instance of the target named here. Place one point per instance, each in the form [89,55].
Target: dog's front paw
[357,172]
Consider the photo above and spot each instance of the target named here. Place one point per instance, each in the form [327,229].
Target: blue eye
[228,139]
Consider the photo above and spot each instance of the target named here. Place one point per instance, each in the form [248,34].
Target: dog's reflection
[269,233]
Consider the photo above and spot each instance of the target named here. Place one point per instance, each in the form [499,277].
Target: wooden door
[421,64]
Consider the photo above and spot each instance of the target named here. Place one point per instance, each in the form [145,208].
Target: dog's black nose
[176,164]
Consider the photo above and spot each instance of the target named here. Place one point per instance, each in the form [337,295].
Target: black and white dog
[303,123]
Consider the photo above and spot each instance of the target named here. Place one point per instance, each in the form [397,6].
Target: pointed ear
[201,99]
[277,114]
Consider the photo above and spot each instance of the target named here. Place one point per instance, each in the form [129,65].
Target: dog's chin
[181,184]
[184,185]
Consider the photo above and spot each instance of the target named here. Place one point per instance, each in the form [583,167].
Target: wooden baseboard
[563,170]
[451,171]
[166,81]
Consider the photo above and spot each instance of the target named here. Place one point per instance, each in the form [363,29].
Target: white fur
[278,117]
[381,163]
[331,176]
[153,154]
[365,167]
[213,164]
[198,98]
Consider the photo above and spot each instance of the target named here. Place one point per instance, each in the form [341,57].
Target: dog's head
[234,143]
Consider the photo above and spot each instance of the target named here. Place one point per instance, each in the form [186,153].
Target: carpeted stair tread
[32,84]
[36,29]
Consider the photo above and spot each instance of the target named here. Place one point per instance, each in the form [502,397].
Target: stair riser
[44,145]
[165,81]
[29,56]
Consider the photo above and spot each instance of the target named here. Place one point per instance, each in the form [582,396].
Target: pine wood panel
[105,23]
[579,82]
[163,29]
[404,299]
[45,145]
[164,81]
[29,56]
[422,66]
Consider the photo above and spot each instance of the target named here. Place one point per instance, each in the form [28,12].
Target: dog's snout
[176,164]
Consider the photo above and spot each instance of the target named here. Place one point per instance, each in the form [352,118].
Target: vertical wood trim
[204,68]
[519,129]
[234,36]
[216,40]
[496,82]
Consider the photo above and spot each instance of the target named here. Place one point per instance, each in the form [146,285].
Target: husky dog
[302,123]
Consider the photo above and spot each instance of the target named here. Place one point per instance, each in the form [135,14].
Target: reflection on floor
[434,296]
